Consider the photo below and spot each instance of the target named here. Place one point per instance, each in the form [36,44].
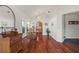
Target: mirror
[7,19]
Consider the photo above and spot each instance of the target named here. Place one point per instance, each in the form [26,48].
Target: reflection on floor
[46,44]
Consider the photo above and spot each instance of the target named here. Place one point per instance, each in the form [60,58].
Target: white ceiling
[32,11]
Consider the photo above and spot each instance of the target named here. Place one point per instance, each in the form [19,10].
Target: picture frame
[73,22]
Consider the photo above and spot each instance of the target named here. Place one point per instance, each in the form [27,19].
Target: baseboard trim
[56,39]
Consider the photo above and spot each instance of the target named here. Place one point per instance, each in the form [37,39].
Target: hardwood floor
[44,44]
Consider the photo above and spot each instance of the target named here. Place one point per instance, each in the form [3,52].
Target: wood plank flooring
[45,44]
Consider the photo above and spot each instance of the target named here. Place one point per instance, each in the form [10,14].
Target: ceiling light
[49,11]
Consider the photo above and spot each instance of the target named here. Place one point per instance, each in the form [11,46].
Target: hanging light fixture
[12,13]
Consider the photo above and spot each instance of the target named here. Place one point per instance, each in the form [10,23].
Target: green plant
[48,31]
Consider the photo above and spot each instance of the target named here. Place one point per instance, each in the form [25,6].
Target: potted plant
[48,31]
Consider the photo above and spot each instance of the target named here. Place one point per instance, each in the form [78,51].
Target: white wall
[53,27]
[56,28]
[71,31]
[58,32]
[6,19]
[19,17]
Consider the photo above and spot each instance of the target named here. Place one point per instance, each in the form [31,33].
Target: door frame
[63,26]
